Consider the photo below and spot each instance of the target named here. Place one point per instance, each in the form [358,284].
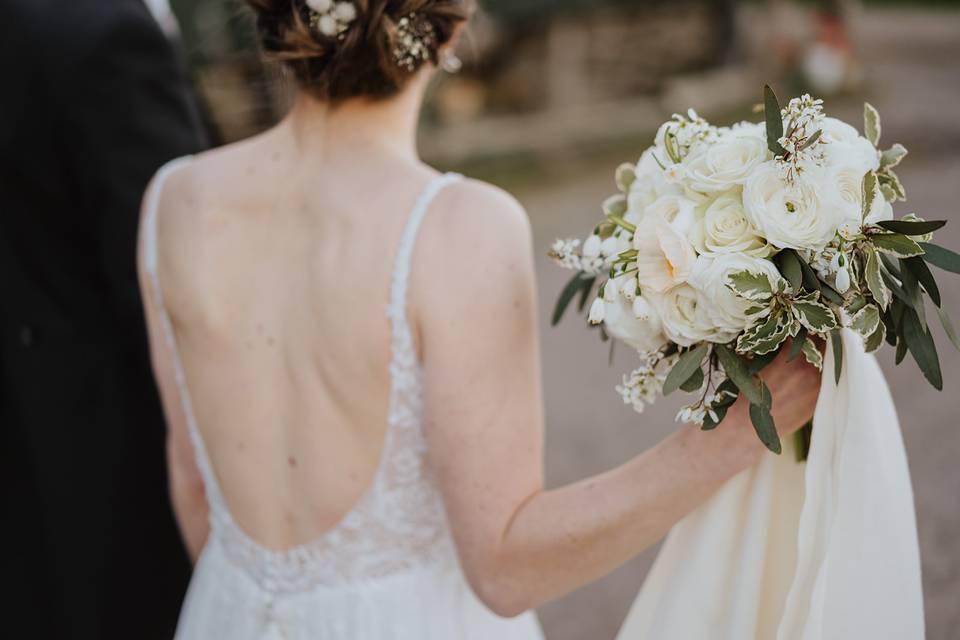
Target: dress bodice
[399,523]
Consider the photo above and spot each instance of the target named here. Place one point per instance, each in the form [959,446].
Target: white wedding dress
[784,551]
[389,570]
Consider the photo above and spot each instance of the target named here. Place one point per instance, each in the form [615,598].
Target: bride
[346,345]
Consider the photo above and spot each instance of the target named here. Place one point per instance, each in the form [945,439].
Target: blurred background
[556,93]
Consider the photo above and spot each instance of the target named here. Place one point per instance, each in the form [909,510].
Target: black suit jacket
[93,101]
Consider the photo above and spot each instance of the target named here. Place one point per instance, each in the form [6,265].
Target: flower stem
[801,441]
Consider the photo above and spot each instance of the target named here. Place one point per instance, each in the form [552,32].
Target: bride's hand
[795,388]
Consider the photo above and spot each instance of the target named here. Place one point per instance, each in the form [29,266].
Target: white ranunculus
[649,185]
[664,255]
[726,163]
[727,310]
[320,6]
[643,334]
[796,216]
[724,227]
[843,145]
[679,211]
[685,314]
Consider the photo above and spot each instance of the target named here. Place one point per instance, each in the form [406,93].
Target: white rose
[793,216]
[643,334]
[664,255]
[686,316]
[843,145]
[727,162]
[320,6]
[648,186]
[727,310]
[847,197]
[725,228]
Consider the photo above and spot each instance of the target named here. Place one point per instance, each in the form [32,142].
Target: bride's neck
[358,127]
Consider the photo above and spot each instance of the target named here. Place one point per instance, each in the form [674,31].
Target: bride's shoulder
[478,216]
[478,235]
[209,181]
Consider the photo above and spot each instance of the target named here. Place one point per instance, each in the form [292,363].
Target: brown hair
[361,62]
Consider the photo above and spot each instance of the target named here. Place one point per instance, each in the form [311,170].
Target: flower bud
[591,248]
[597,311]
[610,247]
[327,25]
[629,289]
[641,308]
[843,280]
[610,291]
[835,262]
[346,12]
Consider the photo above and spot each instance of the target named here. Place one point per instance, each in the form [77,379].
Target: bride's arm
[187,493]
[475,300]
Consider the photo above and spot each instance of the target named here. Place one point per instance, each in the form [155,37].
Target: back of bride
[276,274]
[346,346]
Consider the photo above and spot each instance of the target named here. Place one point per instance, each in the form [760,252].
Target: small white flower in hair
[345,12]
[332,19]
[416,42]
[320,6]
[327,25]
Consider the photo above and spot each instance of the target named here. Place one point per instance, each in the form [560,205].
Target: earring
[449,61]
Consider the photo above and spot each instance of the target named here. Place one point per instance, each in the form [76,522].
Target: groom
[92,102]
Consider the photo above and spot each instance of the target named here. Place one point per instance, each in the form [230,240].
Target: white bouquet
[726,245]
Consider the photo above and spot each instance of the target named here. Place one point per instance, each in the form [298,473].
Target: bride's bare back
[275,260]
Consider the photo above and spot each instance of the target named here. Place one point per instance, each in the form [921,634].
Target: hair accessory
[416,42]
[330,18]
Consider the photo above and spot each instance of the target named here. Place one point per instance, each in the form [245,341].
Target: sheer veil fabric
[822,551]
[389,570]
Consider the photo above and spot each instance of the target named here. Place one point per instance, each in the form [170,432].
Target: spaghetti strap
[397,309]
[150,263]
[151,205]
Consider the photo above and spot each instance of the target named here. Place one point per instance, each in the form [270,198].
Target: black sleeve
[131,111]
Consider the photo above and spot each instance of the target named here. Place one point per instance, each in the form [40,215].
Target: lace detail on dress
[399,523]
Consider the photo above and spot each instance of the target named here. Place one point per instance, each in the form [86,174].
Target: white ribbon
[822,551]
